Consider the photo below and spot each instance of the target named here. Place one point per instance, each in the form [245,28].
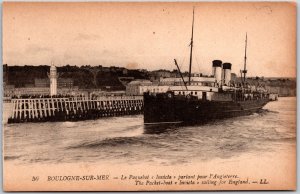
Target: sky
[151,35]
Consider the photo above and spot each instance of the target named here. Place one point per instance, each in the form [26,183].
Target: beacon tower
[53,80]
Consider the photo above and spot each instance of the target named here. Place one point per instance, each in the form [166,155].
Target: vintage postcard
[149,96]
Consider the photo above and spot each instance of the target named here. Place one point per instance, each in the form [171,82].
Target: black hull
[170,109]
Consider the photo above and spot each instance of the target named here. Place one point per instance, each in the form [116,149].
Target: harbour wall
[72,109]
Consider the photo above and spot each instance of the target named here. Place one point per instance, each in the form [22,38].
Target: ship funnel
[217,70]
[226,73]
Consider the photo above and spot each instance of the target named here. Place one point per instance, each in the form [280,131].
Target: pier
[73,108]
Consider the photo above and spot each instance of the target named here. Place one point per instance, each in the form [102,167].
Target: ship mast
[191,53]
[245,61]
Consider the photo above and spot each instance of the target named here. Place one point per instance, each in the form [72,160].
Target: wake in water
[112,142]
[266,111]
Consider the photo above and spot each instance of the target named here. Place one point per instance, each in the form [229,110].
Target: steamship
[198,99]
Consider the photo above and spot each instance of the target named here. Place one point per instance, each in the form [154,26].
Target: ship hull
[164,109]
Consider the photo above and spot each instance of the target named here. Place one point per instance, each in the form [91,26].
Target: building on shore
[137,87]
[41,82]
[8,90]
[65,83]
[61,82]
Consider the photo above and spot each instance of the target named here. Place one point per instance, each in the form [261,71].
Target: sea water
[125,140]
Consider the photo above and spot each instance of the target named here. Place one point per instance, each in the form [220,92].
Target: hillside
[84,77]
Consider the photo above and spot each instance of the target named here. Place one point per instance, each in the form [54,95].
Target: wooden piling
[43,109]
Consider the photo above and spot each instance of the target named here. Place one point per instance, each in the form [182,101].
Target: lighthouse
[53,80]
